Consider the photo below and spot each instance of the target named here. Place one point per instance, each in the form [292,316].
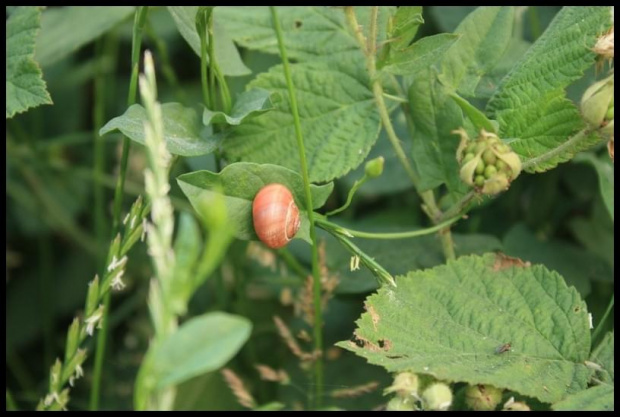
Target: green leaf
[530,103]
[249,104]
[419,55]
[64,30]
[600,398]
[478,119]
[605,170]
[202,344]
[183,132]
[226,52]
[435,115]
[575,265]
[310,33]
[603,355]
[25,87]
[240,182]
[406,22]
[187,250]
[448,322]
[484,37]
[339,120]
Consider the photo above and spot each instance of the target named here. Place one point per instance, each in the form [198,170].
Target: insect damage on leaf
[374,316]
[503,261]
[361,342]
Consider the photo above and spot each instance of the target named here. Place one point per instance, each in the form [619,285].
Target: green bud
[468,157]
[471,148]
[437,397]
[610,111]
[482,397]
[467,170]
[489,171]
[502,148]
[480,167]
[479,180]
[374,167]
[400,404]
[489,157]
[512,405]
[71,366]
[405,385]
[502,166]
[513,161]
[55,383]
[596,101]
[73,339]
[495,184]
[480,146]
[93,296]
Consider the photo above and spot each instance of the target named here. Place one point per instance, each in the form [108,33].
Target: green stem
[292,263]
[138,26]
[430,206]
[211,61]
[99,149]
[357,184]
[318,317]
[460,207]
[599,326]
[327,225]
[555,152]
[534,22]
[47,318]
[10,402]
[206,97]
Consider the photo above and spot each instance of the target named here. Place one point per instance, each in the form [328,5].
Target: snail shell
[276,217]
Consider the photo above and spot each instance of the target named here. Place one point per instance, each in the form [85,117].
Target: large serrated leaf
[310,33]
[183,132]
[449,321]
[419,55]
[530,102]
[226,53]
[603,356]
[484,37]
[25,87]
[202,344]
[435,115]
[599,398]
[240,182]
[86,23]
[339,120]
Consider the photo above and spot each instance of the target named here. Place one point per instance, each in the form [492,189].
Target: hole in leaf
[297,24]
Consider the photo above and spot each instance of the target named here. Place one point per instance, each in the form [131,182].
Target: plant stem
[47,318]
[99,149]
[326,224]
[211,61]
[206,97]
[599,326]
[556,152]
[292,263]
[430,206]
[534,22]
[357,184]
[459,207]
[139,22]
[318,317]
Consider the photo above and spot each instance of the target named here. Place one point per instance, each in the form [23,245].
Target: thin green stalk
[10,402]
[555,152]
[327,225]
[211,61]
[430,206]
[357,184]
[292,263]
[138,26]
[318,317]
[224,90]
[599,326]
[459,207]
[99,149]
[47,318]
[534,22]
[204,83]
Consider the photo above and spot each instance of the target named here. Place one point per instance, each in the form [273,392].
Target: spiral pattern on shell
[275,215]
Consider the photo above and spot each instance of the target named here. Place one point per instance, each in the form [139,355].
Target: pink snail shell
[275,215]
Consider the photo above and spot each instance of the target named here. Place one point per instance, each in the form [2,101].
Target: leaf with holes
[530,103]
[448,322]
